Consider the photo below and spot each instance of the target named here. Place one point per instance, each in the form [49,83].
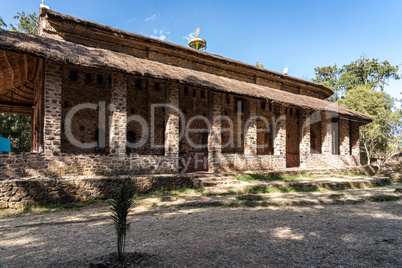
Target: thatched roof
[72,53]
[18,75]
[77,30]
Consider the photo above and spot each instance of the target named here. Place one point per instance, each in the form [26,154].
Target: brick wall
[292,137]
[20,193]
[194,142]
[265,128]
[80,86]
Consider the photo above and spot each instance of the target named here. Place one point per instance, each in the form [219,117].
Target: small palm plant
[121,205]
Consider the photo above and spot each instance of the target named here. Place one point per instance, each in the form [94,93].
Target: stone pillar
[280,132]
[344,139]
[250,138]
[305,146]
[172,129]
[354,141]
[52,117]
[118,124]
[215,133]
[326,135]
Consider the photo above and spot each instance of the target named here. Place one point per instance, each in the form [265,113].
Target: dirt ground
[360,235]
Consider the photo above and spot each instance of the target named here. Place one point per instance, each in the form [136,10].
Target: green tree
[27,23]
[17,128]
[363,71]
[2,25]
[379,135]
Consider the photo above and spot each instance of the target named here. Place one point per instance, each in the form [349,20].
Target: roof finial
[196,42]
[197,32]
[285,69]
[43,5]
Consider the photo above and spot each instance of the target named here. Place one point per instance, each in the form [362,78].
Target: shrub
[121,205]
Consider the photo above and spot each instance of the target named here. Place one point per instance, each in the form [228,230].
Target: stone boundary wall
[25,192]
[14,165]
[34,164]
[331,161]
[18,193]
[240,162]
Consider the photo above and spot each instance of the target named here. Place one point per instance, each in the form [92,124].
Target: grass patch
[380,183]
[298,176]
[164,199]
[383,198]
[254,178]
[187,191]
[282,189]
[231,204]
[337,196]
[250,197]
[285,189]
[349,174]
[337,201]
[261,190]
[54,207]
[251,178]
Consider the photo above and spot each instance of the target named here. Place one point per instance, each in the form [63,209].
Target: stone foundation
[17,193]
[20,193]
[14,165]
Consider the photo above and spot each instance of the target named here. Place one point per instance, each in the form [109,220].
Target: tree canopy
[17,128]
[359,86]
[2,25]
[363,71]
[380,134]
[27,23]
[259,64]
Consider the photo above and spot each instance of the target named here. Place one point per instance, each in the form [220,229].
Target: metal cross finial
[197,32]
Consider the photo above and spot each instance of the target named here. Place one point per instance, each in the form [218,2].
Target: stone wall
[20,193]
[241,162]
[193,104]
[86,86]
[293,137]
[14,165]
[331,161]
[265,128]
[52,107]
[142,95]
[233,120]
[354,140]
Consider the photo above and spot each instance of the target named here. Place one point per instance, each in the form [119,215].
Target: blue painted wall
[4,145]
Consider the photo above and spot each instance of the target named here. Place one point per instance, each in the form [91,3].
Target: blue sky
[301,34]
